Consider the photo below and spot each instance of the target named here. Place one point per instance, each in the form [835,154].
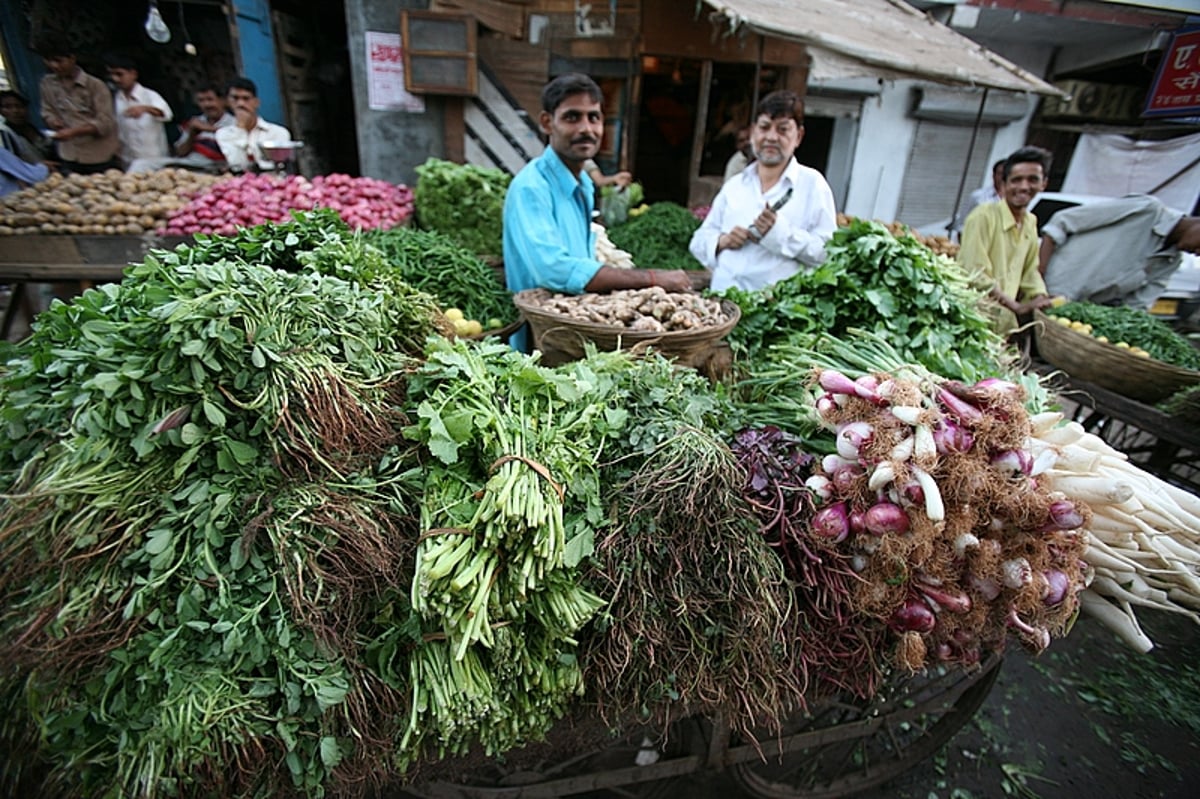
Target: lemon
[454,315]
[462,327]
[495,323]
[1058,302]
[1102,338]
[1062,320]
[1123,345]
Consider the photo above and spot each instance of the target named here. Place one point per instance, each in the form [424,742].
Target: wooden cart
[60,259]
[839,746]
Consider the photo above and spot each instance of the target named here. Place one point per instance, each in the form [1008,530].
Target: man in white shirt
[773,219]
[141,114]
[241,143]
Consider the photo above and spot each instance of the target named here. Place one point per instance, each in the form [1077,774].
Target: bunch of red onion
[934,493]
[249,200]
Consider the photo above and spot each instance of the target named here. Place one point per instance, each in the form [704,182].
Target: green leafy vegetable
[892,286]
[463,201]
[659,238]
[435,263]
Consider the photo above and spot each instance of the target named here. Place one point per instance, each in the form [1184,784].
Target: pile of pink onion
[249,200]
[935,494]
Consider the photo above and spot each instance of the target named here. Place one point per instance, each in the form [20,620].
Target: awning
[880,38]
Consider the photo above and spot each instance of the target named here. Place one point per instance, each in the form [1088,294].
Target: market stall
[275,522]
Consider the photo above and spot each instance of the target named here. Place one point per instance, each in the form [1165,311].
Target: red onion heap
[249,200]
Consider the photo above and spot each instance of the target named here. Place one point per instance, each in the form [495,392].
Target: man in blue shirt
[548,239]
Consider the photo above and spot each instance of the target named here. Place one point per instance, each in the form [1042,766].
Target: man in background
[1000,242]
[241,143]
[200,132]
[772,219]
[15,110]
[142,114]
[197,147]
[743,154]
[79,109]
[548,238]
[1116,252]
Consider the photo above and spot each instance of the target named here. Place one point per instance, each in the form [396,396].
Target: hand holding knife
[774,207]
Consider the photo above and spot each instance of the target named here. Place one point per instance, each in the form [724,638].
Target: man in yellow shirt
[1000,242]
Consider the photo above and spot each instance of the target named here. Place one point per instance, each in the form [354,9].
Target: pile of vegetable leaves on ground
[871,280]
[436,264]
[659,237]
[463,201]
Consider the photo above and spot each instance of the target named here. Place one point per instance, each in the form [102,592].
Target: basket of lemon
[1082,351]
[475,329]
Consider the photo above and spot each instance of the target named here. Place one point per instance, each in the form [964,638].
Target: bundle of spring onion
[930,493]
[495,584]
[1144,534]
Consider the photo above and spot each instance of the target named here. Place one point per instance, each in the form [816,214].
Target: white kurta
[797,239]
[144,136]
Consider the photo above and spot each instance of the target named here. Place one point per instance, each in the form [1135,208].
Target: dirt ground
[1088,719]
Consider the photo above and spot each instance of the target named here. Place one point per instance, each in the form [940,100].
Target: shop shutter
[935,167]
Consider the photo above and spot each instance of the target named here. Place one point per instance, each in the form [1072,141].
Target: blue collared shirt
[548,239]
[16,174]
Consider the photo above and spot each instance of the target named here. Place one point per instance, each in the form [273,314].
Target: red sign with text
[1176,88]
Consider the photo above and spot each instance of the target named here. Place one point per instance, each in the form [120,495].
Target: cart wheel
[840,747]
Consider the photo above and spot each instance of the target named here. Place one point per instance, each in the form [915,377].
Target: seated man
[1119,251]
[197,148]
[241,142]
[19,166]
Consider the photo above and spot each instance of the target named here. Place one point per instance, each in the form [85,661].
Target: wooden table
[1158,442]
[58,259]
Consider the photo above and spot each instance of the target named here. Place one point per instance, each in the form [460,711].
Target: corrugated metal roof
[888,38]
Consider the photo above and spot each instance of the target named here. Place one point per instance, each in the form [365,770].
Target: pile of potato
[110,203]
[652,309]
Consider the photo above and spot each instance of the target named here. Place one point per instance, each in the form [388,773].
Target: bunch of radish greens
[892,286]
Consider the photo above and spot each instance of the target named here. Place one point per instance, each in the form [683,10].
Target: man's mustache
[585,140]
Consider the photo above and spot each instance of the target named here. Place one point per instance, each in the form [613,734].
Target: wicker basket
[1083,357]
[563,339]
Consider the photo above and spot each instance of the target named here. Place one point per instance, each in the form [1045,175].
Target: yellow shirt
[1002,255]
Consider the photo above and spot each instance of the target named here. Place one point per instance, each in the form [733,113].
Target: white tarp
[881,38]
[1112,165]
